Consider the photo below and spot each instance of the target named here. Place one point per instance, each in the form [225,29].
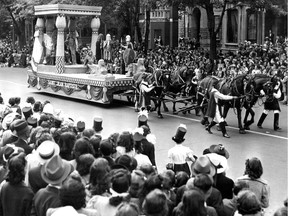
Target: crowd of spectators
[54,165]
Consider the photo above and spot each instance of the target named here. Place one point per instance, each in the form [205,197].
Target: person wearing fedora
[22,131]
[214,110]
[179,154]
[36,160]
[54,172]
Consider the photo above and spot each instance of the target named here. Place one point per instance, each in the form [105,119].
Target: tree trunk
[147,28]
[211,29]
[21,34]
[137,26]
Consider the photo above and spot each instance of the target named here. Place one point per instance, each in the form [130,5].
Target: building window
[251,26]
[232,26]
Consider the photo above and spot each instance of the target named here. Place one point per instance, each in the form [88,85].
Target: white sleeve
[277,95]
[222,96]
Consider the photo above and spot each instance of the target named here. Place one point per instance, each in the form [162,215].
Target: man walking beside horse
[214,110]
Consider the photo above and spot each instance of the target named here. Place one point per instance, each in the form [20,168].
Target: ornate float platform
[79,85]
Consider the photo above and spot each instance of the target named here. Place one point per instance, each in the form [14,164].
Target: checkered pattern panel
[60,64]
[121,83]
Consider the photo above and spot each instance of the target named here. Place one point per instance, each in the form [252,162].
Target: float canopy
[72,10]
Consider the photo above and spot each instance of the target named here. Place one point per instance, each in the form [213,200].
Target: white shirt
[179,154]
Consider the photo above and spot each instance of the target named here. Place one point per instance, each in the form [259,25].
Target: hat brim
[68,168]
[42,160]
[178,140]
[226,153]
[212,170]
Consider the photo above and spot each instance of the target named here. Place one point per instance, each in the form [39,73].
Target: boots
[276,122]
[223,129]
[208,128]
[261,120]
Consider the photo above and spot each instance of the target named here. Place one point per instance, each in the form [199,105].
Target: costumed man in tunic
[145,90]
[272,104]
[214,110]
[180,154]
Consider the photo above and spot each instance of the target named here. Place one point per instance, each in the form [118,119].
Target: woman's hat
[27,112]
[219,161]
[9,151]
[180,133]
[48,109]
[142,118]
[219,149]
[47,150]
[8,119]
[21,127]
[97,124]
[203,165]
[32,121]
[56,170]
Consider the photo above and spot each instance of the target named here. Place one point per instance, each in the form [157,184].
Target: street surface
[266,144]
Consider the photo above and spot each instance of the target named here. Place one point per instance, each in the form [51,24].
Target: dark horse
[235,87]
[178,83]
[156,95]
[253,88]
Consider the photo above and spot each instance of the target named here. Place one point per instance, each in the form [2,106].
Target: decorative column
[37,53]
[60,61]
[95,25]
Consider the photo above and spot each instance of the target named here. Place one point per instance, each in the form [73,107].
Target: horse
[156,95]
[178,83]
[235,87]
[253,88]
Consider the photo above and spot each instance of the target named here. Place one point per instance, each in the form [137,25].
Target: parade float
[49,73]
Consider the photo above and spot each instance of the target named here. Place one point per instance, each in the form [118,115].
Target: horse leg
[251,121]
[165,106]
[241,129]
[159,108]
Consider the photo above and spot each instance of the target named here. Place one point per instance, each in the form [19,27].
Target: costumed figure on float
[72,39]
[50,38]
[99,47]
[129,57]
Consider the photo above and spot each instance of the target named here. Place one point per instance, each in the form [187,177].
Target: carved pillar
[95,25]
[60,61]
[37,54]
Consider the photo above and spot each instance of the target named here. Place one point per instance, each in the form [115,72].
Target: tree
[209,5]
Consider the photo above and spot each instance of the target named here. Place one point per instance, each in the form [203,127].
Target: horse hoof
[247,127]
[166,110]
[184,113]
[160,116]
[242,131]
[175,113]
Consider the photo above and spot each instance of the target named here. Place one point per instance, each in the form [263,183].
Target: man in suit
[148,147]
[22,131]
[54,173]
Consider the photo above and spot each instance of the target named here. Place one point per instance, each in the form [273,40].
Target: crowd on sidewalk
[54,165]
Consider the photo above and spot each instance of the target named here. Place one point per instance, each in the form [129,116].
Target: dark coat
[44,199]
[149,150]
[225,185]
[36,182]
[22,144]
[16,200]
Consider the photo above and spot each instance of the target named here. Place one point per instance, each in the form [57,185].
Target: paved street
[268,145]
